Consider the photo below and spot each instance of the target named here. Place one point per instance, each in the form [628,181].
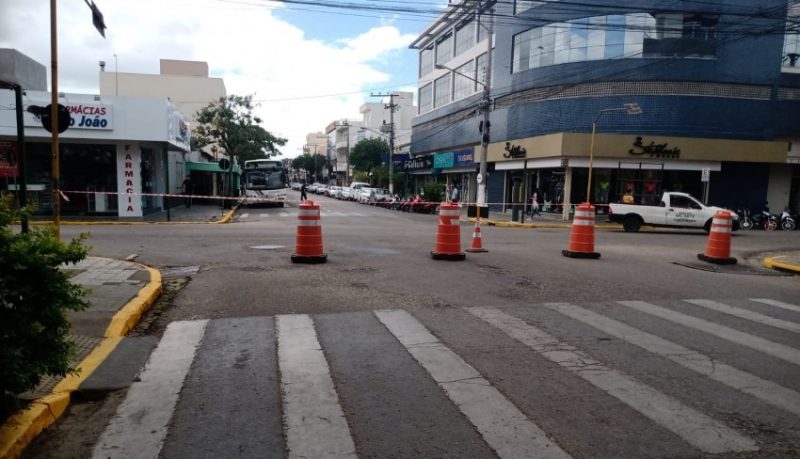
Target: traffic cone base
[581,238]
[716,261]
[718,249]
[310,259]
[571,254]
[449,256]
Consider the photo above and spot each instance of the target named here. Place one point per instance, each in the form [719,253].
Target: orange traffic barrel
[477,243]
[448,236]
[718,249]
[581,240]
[309,235]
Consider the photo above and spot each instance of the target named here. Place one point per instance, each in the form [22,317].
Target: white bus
[264,182]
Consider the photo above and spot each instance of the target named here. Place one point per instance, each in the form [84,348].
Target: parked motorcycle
[745,219]
[765,220]
[787,220]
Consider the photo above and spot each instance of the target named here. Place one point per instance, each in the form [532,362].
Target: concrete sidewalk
[199,213]
[545,220]
[120,292]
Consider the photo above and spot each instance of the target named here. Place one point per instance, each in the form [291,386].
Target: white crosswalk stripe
[772,348]
[760,388]
[140,425]
[696,428]
[320,407]
[315,423]
[777,304]
[746,314]
[502,425]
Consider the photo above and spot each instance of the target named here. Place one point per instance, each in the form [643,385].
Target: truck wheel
[632,223]
[707,227]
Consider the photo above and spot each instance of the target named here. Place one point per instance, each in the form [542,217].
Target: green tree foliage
[368,154]
[314,165]
[434,192]
[229,124]
[34,299]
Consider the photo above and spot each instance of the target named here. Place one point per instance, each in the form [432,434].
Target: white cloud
[255,53]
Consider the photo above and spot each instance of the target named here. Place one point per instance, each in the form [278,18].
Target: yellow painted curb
[771,263]
[127,317]
[229,216]
[21,428]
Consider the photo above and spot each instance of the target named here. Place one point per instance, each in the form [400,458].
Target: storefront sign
[129,180]
[443,160]
[465,158]
[90,116]
[654,150]
[8,159]
[178,130]
[403,162]
[514,151]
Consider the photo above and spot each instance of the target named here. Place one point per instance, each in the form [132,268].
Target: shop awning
[548,163]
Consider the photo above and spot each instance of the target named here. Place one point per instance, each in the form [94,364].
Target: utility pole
[392,107]
[486,105]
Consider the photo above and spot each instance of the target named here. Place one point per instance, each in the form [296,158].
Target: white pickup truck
[675,209]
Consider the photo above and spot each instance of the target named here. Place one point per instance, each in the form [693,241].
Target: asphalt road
[384,352]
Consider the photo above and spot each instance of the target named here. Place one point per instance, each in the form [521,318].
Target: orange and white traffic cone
[581,240]
[477,244]
[448,236]
[718,249]
[309,235]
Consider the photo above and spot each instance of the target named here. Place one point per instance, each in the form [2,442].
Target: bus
[264,182]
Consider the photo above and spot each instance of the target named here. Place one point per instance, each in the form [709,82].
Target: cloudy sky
[306,65]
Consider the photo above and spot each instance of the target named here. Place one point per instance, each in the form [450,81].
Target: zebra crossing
[686,378]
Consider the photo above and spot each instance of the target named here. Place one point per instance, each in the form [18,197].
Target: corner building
[718,84]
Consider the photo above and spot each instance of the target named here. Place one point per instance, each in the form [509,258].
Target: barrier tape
[257,199]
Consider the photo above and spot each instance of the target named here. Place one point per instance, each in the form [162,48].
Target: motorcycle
[787,221]
[745,220]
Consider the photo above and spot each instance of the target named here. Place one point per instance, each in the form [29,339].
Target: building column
[129,180]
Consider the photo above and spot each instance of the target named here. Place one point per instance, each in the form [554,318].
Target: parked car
[332,190]
[343,193]
[365,195]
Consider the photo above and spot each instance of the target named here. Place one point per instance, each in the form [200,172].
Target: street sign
[705,175]
[224,164]
[97,19]
[479,178]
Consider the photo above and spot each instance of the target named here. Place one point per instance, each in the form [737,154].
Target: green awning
[210,167]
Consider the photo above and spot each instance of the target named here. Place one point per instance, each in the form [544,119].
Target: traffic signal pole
[56,169]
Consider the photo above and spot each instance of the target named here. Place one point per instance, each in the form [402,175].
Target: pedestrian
[187,191]
[303,196]
[535,205]
[454,194]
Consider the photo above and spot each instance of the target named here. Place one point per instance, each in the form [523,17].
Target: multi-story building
[718,89]
[189,88]
[342,136]
[317,144]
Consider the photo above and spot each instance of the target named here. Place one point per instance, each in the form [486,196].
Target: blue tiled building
[717,81]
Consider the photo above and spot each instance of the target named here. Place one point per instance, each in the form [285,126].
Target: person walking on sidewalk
[454,194]
[303,196]
[534,210]
[187,191]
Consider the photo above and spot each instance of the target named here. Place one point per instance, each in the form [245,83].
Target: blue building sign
[403,162]
[459,158]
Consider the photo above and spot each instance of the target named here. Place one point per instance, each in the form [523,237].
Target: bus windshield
[264,180]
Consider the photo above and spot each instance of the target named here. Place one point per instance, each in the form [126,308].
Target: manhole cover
[267,247]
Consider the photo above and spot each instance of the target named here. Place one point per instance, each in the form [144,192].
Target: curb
[770,262]
[225,219]
[21,428]
[506,224]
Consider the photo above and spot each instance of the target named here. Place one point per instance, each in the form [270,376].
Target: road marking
[357,214]
[507,430]
[140,425]
[245,215]
[772,348]
[264,215]
[283,214]
[314,421]
[699,430]
[759,388]
[746,314]
[777,304]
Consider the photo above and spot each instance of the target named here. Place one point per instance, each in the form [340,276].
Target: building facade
[717,95]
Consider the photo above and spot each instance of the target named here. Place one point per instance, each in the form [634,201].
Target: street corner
[788,263]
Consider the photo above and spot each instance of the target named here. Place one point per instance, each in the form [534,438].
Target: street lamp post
[630,109]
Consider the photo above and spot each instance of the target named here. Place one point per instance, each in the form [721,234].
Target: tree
[368,154]
[35,296]
[312,164]
[229,124]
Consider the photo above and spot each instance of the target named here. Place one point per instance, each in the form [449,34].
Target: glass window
[443,91]
[669,25]
[426,98]
[483,27]
[561,48]
[444,48]
[578,38]
[596,38]
[426,61]
[463,86]
[524,5]
[548,45]
[522,51]
[465,36]
[615,37]
[634,34]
